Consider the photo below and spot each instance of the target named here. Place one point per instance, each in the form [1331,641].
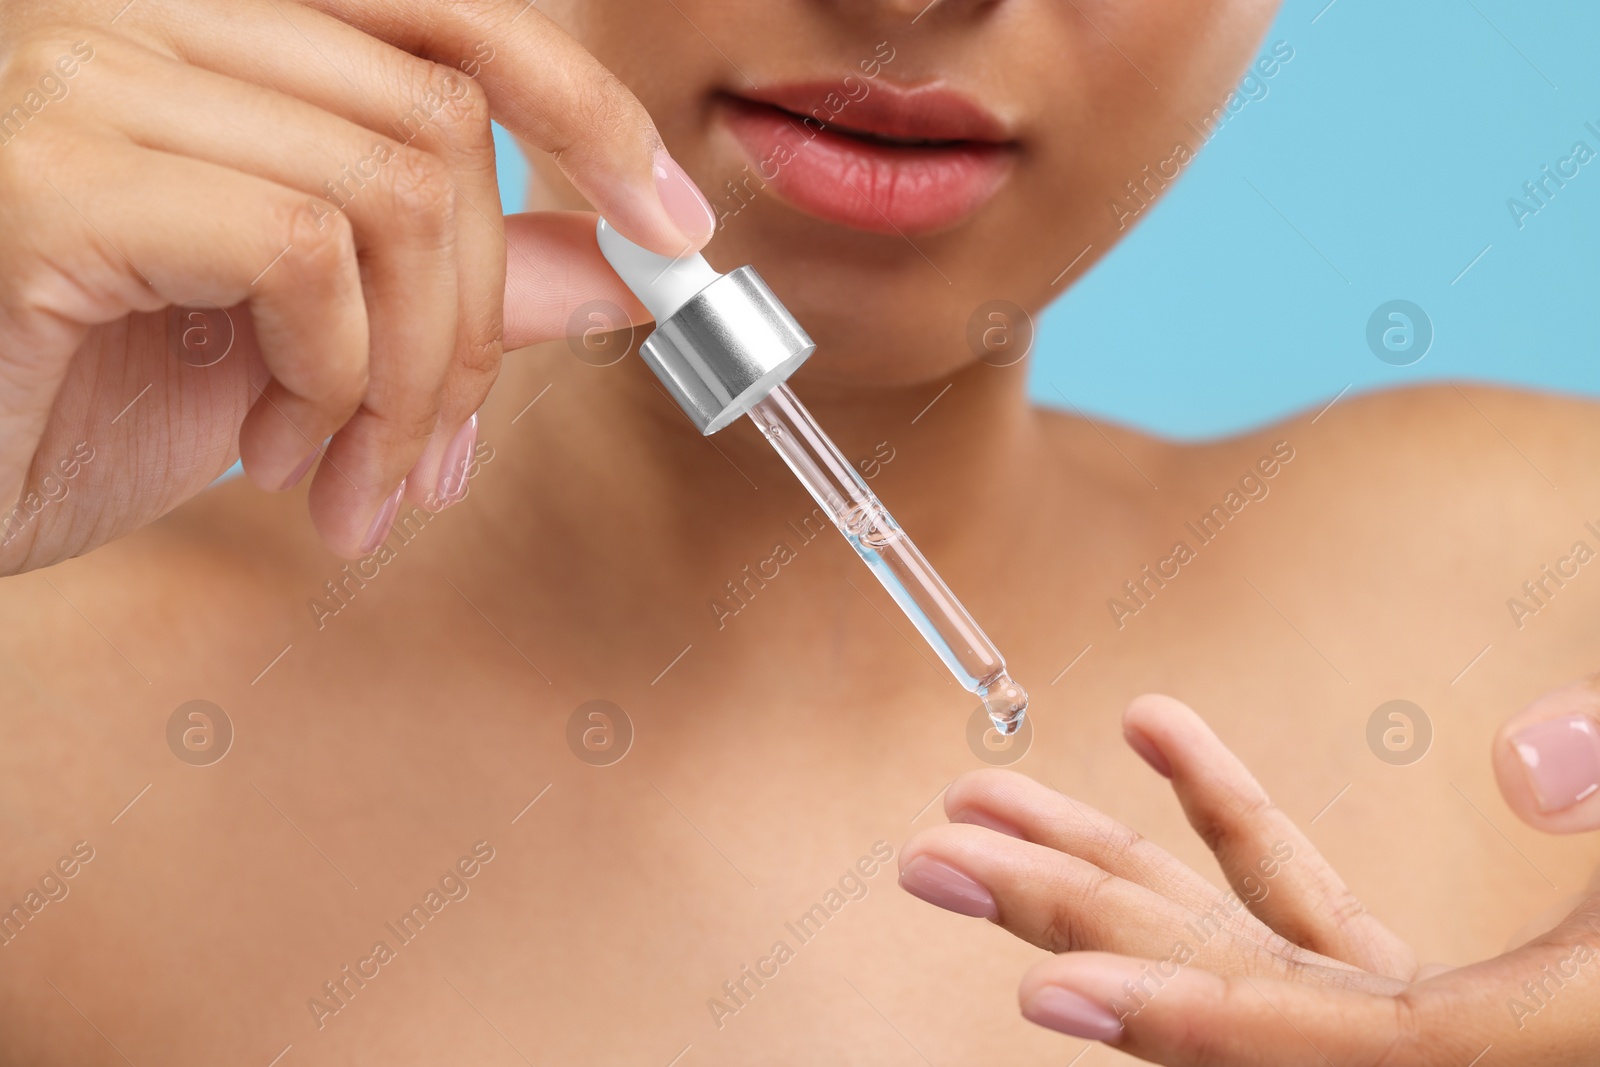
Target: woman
[398,828]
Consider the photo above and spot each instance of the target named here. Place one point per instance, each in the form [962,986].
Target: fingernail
[1071,1013]
[686,205]
[299,472]
[383,520]
[945,887]
[1148,752]
[457,458]
[982,818]
[1562,759]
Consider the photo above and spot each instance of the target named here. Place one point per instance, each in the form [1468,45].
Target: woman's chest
[499,887]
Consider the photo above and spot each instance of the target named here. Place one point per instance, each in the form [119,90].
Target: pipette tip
[1006,702]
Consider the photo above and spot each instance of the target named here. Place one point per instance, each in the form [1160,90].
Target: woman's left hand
[1287,969]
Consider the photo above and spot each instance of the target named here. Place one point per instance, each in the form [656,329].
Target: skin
[768,758]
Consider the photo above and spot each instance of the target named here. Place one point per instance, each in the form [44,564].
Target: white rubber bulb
[662,284]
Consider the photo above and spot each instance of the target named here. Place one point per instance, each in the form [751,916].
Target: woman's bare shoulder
[1479,433]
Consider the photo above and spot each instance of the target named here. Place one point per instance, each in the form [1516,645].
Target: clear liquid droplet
[1006,702]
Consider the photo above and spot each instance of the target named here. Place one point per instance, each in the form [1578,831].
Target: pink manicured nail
[299,472]
[982,818]
[1148,752]
[383,520]
[457,458]
[945,887]
[1562,758]
[686,205]
[1071,1013]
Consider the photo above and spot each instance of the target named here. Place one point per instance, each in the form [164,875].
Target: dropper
[724,347]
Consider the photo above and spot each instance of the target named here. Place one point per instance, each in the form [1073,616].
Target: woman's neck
[611,467]
[608,513]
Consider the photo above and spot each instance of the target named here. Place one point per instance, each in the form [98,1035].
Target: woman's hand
[324,170]
[1286,969]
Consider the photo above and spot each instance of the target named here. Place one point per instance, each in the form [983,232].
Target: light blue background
[1390,145]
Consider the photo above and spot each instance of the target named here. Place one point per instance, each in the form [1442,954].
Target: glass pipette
[723,347]
[901,568]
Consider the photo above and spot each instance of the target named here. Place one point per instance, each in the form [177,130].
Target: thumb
[557,282]
[1547,760]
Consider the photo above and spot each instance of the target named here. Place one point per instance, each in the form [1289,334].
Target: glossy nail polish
[299,472]
[945,887]
[1562,760]
[1072,1013]
[686,205]
[381,522]
[457,458]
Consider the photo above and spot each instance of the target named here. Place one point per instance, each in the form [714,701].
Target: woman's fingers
[1169,1012]
[1263,854]
[400,203]
[1547,760]
[368,172]
[1065,904]
[183,230]
[1535,1005]
[1051,899]
[1015,804]
[405,151]
[541,83]
[547,89]
[416,75]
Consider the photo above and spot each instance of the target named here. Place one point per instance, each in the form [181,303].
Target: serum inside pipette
[722,341]
[893,558]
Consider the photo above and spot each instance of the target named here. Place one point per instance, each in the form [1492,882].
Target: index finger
[546,88]
[1256,843]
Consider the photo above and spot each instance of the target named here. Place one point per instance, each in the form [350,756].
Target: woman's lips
[889,161]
